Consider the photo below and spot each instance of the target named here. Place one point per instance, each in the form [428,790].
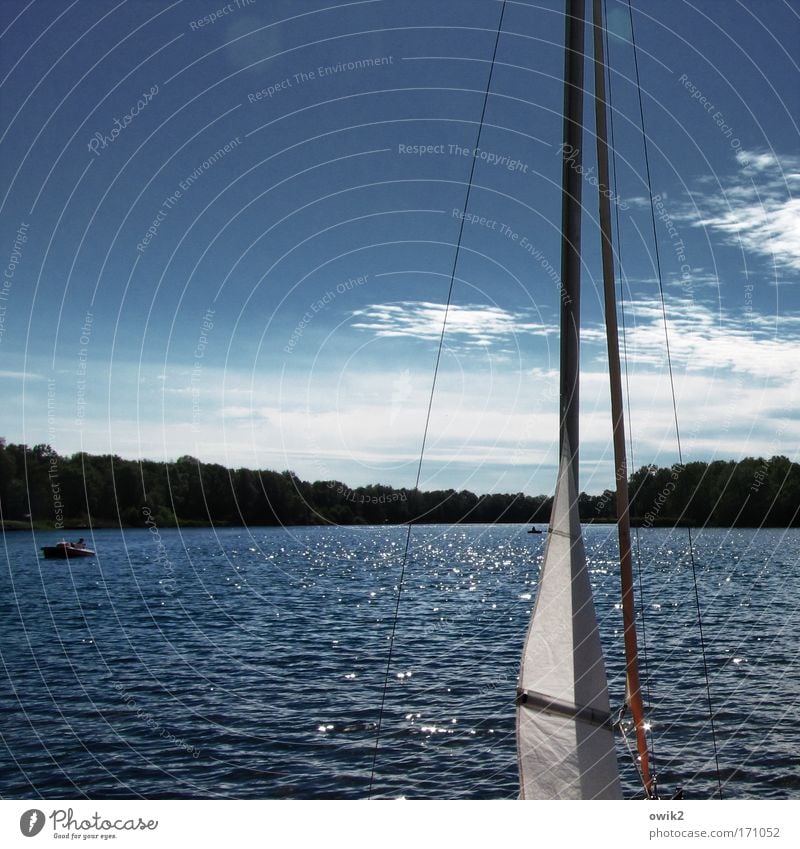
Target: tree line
[40,487]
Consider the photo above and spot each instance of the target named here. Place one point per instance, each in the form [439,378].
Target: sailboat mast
[633,689]
[571,184]
[565,735]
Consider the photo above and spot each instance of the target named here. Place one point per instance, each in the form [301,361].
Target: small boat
[534,530]
[66,550]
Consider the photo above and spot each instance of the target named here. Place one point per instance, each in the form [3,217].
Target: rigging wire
[621,302]
[430,399]
[674,402]
[633,755]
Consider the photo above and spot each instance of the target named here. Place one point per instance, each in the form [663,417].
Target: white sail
[565,740]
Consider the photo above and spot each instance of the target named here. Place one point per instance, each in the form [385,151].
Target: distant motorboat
[534,530]
[66,551]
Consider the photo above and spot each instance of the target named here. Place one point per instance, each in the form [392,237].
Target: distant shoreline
[42,490]
[71,530]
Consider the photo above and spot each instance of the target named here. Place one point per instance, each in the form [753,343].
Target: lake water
[249,663]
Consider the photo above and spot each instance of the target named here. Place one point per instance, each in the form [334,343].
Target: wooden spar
[634,694]
[571,232]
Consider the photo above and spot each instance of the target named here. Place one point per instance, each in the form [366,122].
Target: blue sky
[220,237]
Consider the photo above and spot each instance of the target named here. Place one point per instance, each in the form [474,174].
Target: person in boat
[80,543]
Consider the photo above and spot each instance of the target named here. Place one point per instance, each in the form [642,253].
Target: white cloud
[702,340]
[473,324]
[488,430]
[755,209]
[20,375]
[242,412]
[766,161]
[493,426]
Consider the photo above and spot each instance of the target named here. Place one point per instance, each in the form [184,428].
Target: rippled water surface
[250,663]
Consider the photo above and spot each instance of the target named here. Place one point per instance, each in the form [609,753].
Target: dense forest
[40,487]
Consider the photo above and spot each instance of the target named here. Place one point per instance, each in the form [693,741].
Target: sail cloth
[565,740]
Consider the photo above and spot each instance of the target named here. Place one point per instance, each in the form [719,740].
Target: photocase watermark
[760,476]
[716,116]
[65,820]
[505,681]
[748,302]
[603,501]
[318,73]
[676,241]
[153,724]
[101,141]
[571,159]
[168,584]
[320,304]
[32,822]
[482,221]
[361,498]
[537,254]
[9,271]
[442,624]
[609,494]
[186,183]
[522,241]
[80,373]
[166,205]
[762,472]
[661,499]
[487,156]
[169,202]
[212,17]
[52,473]
[196,379]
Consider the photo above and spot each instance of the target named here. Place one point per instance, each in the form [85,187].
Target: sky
[229,231]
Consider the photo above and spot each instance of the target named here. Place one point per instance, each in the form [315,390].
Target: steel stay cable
[674,402]
[621,301]
[430,399]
